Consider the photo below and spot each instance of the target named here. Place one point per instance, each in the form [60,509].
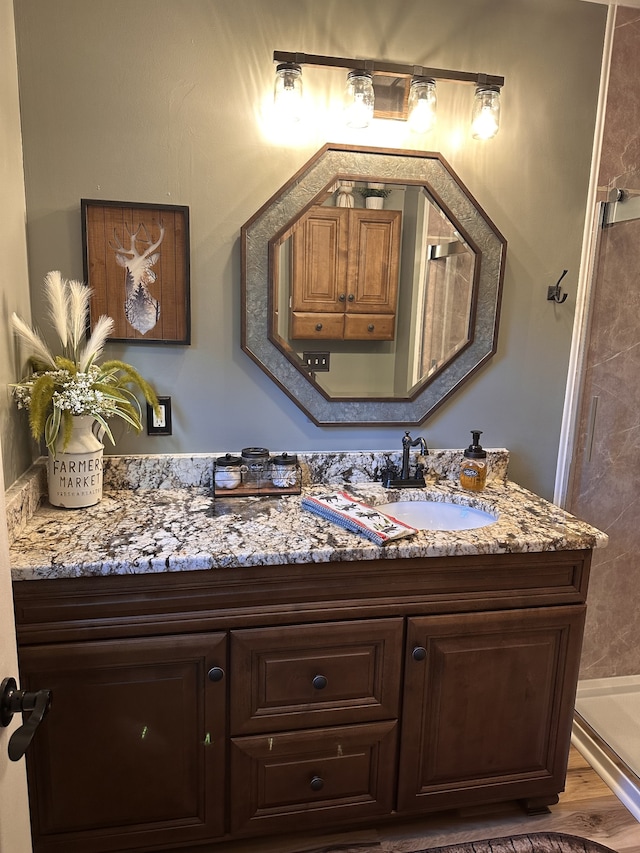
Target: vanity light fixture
[287,95]
[485,120]
[359,98]
[392,90]
[422,105]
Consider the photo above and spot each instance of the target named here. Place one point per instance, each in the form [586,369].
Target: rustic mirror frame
[293,199]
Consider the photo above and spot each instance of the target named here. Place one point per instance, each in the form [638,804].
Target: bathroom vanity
[251,669]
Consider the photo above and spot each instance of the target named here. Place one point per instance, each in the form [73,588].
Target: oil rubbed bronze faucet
[405,481]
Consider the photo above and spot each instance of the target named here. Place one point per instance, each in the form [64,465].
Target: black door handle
[14,701]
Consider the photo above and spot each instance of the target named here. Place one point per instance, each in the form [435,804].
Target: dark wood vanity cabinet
[235,703]
[345,265]
[486,707]
[134,747]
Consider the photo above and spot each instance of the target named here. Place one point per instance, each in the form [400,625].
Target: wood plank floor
[587,808]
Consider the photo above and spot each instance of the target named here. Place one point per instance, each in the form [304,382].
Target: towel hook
[554,293]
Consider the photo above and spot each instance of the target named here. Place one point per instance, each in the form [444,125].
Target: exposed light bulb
[287,95]
[423,102]
[359,99]
[485,121]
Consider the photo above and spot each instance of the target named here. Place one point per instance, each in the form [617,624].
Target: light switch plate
[159,425]
[317,361]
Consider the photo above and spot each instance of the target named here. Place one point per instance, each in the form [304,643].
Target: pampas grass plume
[58,299]
[78,309]
[94,346]
[33,342]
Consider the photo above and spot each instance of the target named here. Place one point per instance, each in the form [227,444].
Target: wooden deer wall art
[136,262]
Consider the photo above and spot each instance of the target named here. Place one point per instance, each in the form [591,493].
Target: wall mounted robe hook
[554,293]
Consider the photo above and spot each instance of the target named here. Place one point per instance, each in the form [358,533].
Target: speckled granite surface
[177,471]
[150,521]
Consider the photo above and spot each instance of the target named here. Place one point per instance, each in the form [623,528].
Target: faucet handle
[387,475]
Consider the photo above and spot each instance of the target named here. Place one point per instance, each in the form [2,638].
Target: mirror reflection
[375,281]
[401,302]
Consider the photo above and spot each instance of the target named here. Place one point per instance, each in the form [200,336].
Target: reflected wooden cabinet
[344,274]
[206,706]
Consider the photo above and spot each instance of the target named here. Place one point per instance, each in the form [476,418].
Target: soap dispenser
[473,471]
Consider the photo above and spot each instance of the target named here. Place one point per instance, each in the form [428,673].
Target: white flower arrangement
[58,387]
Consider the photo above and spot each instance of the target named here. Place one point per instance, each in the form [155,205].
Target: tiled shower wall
[605,484]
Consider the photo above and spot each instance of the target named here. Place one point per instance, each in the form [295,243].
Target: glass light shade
[485,120]
[359,99]
[422,106]
[287,95]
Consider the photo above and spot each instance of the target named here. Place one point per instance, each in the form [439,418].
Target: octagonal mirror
[369,315]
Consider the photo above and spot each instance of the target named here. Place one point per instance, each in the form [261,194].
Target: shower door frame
[590,245]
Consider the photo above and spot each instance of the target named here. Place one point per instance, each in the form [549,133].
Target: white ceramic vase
[374,202]
[75,473]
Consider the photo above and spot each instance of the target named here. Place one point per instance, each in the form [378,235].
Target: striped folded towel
[342,509]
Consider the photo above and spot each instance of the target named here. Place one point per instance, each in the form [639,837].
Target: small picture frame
[136,262]
[162,426]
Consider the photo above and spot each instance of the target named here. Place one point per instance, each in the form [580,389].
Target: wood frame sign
[136,262]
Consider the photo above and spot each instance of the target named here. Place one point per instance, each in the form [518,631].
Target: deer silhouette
[141,309]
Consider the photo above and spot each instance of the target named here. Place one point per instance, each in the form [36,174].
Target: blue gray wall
[162,101]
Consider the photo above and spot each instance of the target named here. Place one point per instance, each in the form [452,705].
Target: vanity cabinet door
[374,261]
[319,261]
[132,752]
[488,707]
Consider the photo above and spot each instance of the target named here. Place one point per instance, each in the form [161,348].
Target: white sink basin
[436,515]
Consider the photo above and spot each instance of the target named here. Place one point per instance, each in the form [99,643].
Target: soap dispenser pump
[473,471]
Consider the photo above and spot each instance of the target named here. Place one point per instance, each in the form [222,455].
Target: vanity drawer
[293,780]
[310,675]
[324,326]
[374,327]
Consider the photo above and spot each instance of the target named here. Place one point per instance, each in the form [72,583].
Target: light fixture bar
[375,66]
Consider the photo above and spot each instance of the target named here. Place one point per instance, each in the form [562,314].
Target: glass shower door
[604,489]
[604,485]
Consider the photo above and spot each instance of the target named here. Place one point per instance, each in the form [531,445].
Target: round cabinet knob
[216,673]
[342,297]
[351,297]
[419,653]
[317,783]
[318,327]
[370,327]
[319,682]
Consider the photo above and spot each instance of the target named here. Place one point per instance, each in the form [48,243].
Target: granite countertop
[170,527]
